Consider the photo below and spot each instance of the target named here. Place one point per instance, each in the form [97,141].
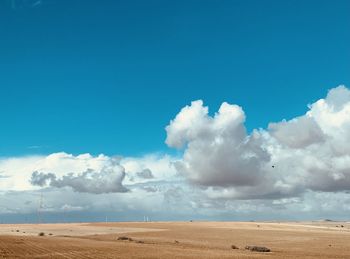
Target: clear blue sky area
[107,76]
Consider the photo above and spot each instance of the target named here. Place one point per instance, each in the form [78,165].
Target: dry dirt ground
[176,240]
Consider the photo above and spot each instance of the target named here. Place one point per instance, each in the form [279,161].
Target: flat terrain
[176,240]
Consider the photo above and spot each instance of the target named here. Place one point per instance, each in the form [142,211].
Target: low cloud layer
[295,167]
[83,173]
[310,152]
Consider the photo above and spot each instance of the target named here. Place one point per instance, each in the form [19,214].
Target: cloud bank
[295,167]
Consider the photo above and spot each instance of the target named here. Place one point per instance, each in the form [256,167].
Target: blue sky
[107,76]
[104,109]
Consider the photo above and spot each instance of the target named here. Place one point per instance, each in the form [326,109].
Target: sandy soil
[176,240]
[74,229]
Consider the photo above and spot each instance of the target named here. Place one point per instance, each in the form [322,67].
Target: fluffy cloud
[310,152]
[80,170]
[85,173]
[125,181]
[322,161]
[70,183]
[297,133]
[218,147]
[108,179]
[82,173]
[218,152]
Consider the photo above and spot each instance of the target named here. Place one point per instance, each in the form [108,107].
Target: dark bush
[123,238]
[257,248]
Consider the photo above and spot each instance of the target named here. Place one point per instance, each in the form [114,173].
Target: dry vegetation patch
[124,238]
[258,249]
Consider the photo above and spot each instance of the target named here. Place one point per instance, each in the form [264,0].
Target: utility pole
[40,208]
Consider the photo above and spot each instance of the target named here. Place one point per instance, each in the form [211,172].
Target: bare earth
[176,240]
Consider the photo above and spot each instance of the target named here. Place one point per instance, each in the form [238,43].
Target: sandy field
[176,240]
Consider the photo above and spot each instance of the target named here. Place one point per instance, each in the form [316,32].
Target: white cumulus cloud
[309,152]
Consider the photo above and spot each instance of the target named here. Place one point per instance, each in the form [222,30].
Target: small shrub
[123,238]
[41,234]
[257,248]
[234,247]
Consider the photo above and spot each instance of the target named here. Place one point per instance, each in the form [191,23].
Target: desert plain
[318,239]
